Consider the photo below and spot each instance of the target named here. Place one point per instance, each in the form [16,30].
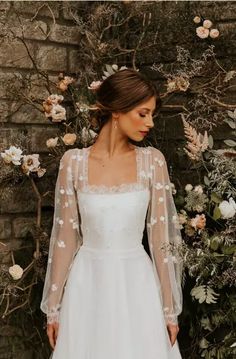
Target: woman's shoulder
[154,152]
[71,154]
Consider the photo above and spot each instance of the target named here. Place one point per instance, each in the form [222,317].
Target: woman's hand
[52,332]
[173,330]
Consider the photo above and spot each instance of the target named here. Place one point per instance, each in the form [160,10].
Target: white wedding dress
[110,298]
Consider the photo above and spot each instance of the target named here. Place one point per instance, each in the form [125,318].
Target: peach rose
[214,33]
[69,139]
[207,24]
[202,32]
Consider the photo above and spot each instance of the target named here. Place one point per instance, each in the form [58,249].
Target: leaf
[230,143]
[229,75]
[204,293]
[216,213]
[203,344]
[206,181]
[210,141]
[215,198]
[214,244]
[231,123]
[232,114]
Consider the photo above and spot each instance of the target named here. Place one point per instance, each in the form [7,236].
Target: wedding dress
[112,300]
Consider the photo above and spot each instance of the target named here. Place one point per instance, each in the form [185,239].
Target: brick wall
[52,38]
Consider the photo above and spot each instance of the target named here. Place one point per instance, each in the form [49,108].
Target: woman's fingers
[173,331]
[52,332]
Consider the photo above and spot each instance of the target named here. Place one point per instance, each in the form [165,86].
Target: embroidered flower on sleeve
[69,192]
[162,218]
[161,162]
[158,185]
[61,222]
[161,199]
[153,221]
[61,244]
[61,166]
[62,191]
[54,287]
[167,186]
[81,178]
[165,260]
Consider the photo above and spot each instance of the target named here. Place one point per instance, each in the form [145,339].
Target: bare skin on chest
[112,171]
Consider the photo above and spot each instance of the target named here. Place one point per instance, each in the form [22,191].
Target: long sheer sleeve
[164,237]
[65,238]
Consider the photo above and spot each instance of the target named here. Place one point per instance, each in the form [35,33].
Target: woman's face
[136,123]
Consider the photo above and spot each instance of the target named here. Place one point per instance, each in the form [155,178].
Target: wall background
[53,39]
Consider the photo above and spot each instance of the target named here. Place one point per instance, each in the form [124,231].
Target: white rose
[202,32]
[214,33]
[227,208]
[52,142]
[207,24]
[188,187]
[16,271]
[13,154]
[95,85]
[198,189]
[58,113]
[197,19]
[69,139]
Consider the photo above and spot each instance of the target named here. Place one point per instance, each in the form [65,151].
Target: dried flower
[41,171]
[12,155]
[197,143]
[198,189]
[69,139]
[58,113]
[52,142]
[178,83]
[197,19]
[87,134]
[214,33]
[207,24]
[30,163]
[94,86]
[198,222]
[188,187]
[16,271]
[65,82]
[202,32]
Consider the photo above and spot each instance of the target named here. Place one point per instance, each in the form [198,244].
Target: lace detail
[123,187]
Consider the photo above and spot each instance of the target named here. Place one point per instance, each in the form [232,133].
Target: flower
[214,33]
[188,187]
[227,208]
[58,113]
[13,154]
[173,188]
[69,138]
[87,134]
[198,222]
[207,24]
[41,171]
[179,83]
[52,142]
[182,217]
[30,163]
[197,19]
[198,189]
[202,32]
[16,271]
[94,85]
[55,99]
[63,84]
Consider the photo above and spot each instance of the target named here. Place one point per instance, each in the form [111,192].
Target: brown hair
[121,92]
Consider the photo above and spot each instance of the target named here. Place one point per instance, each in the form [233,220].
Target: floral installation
[207,217]
[206,209]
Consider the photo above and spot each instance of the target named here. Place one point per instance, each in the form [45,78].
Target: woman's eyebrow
[148,109]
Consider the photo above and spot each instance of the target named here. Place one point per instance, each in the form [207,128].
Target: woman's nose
[150,122]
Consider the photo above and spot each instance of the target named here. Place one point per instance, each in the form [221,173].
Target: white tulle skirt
[111,308]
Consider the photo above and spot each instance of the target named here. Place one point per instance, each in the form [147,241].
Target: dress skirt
[111,308]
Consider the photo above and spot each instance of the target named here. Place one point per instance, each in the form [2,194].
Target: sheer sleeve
[164,238]
[65,238]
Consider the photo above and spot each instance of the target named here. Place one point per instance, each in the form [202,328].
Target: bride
[104,296]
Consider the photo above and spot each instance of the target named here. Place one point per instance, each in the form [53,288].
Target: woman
[104,297]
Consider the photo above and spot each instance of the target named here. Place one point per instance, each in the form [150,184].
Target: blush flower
[207,24]
[202,32]
[214,33]
[69,139]
[12,155]
[30,163]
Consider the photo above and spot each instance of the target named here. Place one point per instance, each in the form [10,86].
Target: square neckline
[119,188]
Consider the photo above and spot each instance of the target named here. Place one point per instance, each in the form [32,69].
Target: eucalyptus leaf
[230,143]
[215,198]
[231,123]
[210,141]
[216,213]
[206,181]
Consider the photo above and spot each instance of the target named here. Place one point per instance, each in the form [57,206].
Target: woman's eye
[142,115]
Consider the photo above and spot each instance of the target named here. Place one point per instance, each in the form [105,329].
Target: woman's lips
[144,133]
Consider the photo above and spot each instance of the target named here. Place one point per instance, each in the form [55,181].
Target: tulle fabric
[161,221]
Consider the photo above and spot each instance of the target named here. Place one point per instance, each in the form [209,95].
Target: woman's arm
[164,238]
[65,238]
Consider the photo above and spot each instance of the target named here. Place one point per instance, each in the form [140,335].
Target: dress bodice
[113,220]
